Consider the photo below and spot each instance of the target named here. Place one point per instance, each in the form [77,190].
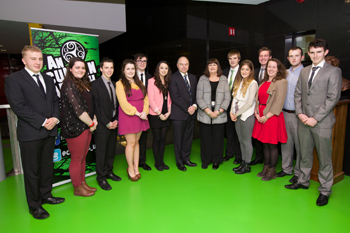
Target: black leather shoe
[53,200]
[181,167]
[204,165]
[113,176]
[159,167]
[293,180]
[244,169]
[215,166]
[237,161]
[322,200]
[239,167]
[166,167]
[295,186]
[282,174]
[39,213]
[189,163]
[104,185]
[145,166]
[227,158]
[256,161]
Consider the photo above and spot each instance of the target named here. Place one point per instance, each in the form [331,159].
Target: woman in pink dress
[133,110]
[269,127]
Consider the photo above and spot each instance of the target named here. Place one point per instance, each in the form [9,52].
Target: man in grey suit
[316,94]
[295,56]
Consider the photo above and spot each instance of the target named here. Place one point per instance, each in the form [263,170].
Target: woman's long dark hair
[81,83]
[162,88]
[125,81]
[281,73]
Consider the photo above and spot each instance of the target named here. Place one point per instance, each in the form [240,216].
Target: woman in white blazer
[242,112]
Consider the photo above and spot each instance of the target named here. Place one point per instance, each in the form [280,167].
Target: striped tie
[188,88]
[231,79]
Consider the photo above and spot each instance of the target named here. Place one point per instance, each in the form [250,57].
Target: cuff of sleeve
[44,123]
[195,105]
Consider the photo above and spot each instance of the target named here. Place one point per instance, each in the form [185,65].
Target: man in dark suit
[141,64]
[106,111]
[32,97]
[265,54]
[316,94]
[232,142]
[182,88]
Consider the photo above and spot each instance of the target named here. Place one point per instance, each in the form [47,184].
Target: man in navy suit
[182,88]
[33,98]
[106,111]
[141,64]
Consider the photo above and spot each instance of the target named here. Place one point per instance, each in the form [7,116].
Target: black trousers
[37,162]
[232,143]
[183,137]
[143,145]
[212,143]
[105,152]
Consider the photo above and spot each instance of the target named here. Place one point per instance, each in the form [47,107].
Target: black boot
[239,167]
[244,169]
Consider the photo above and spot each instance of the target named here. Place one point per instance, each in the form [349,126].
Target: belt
[263,104]
[289,111]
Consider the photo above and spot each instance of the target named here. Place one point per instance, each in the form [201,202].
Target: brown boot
[271,174]
[81,191]
[264,171]
[87,187]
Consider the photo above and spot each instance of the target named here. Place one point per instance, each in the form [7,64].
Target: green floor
[173,201]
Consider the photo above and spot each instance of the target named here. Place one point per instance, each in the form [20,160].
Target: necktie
[188,88]
[312,75]
[39,84]
[261,77]
[111,92]
[231,79]
[142,78]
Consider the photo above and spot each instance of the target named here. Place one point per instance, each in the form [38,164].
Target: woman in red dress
[269,125]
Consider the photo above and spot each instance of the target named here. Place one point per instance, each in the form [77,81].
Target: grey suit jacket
[324,93]
[222,99]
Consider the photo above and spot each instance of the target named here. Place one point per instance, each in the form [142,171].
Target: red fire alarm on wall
[232,31]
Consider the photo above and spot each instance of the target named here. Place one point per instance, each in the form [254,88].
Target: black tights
[270,154]
[158,146]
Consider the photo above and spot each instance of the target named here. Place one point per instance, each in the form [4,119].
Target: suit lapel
[318,75]
[27,78]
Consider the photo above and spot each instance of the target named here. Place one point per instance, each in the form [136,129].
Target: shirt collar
[235,69]
[296,69]
[139,73]
[183,75]
[321,64]
[31,73]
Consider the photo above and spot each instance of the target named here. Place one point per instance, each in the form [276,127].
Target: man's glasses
[141,61]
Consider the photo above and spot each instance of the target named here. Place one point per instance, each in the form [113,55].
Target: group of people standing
[269,104]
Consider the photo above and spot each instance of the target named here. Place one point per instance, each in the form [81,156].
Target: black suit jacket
[225,72]
[180,96]
[103,104]
[148,76]
[31,106]
[256,75]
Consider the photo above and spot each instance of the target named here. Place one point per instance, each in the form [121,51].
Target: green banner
[58,47]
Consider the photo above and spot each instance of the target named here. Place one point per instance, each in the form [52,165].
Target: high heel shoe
[133,179]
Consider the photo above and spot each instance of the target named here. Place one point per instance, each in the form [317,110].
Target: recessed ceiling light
[3,50]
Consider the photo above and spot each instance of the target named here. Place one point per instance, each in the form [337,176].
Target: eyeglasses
[141,61]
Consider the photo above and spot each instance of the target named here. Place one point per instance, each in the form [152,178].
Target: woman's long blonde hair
[246,81]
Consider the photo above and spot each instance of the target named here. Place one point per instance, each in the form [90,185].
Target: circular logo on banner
[71,49]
